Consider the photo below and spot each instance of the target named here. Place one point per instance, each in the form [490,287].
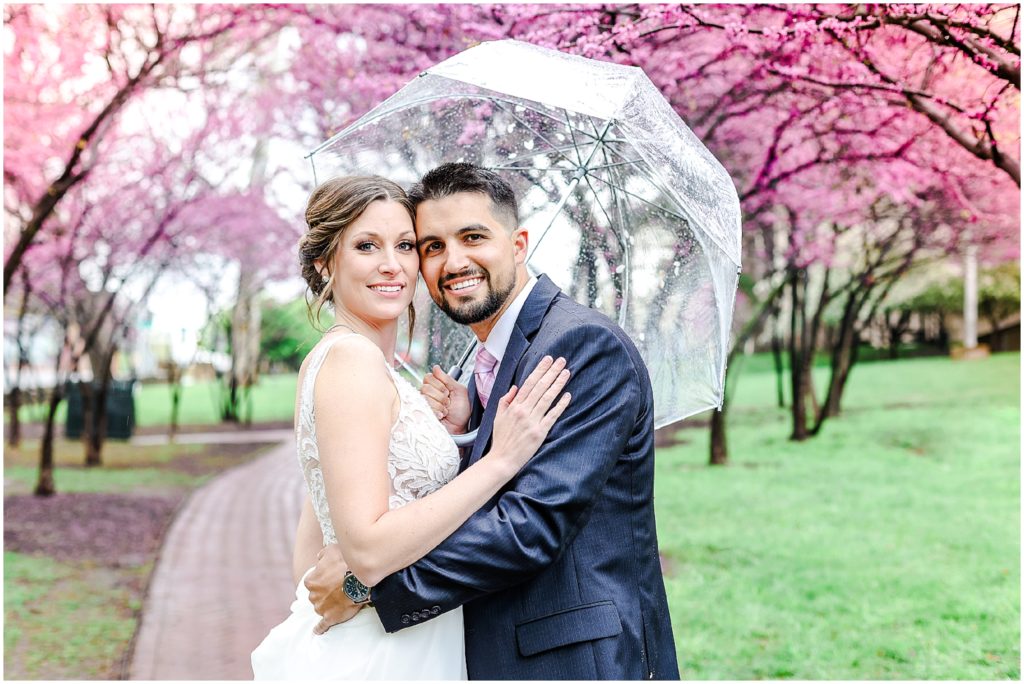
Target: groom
[559,574]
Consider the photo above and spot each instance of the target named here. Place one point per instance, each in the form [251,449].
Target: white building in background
[158,345]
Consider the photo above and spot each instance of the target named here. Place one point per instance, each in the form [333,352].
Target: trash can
[74,422]
[120,409]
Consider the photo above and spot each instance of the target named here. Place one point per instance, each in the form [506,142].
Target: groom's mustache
[465,274]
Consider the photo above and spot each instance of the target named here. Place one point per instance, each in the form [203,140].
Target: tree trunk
[14,422]
[14,405]
[45,485]
[227,405]
[894,337]
[780,395]
[245,319]
[837,385]
[843,356]
[245,345]
[811,394]
[247,398]
[719,447]
[803,379]
[87,390]
[896,333]
[175,377]
[96,438]
[797,364]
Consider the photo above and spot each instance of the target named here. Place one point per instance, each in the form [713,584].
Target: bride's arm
[355,402]
[308,541]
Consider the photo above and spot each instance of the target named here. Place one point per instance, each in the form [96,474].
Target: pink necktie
[485,372]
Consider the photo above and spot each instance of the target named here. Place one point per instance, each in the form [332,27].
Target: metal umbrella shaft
[455,371]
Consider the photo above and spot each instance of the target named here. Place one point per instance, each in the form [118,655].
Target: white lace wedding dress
[421,458]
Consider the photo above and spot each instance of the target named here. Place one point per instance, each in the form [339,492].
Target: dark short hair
[453,177]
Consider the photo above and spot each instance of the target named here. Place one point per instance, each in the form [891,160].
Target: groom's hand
[448,399]
[325,589]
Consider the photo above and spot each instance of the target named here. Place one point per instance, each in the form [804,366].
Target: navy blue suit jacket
[559,573]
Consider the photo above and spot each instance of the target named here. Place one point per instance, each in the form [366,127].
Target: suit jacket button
[405,619]
[425,613]
[436,610]
[415,617]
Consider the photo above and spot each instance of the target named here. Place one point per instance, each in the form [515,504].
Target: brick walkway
[223,578]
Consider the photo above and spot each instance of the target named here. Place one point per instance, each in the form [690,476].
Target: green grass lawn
[886,548]
[66,621]
[273,399]
[126,467]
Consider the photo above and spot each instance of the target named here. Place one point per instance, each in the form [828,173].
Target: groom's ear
[520,241]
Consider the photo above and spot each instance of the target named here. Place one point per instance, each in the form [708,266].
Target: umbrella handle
[464,440]
[468,438]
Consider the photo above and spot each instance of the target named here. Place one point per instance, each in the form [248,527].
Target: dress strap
[317,358]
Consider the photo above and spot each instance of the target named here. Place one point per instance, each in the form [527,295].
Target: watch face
[355,590]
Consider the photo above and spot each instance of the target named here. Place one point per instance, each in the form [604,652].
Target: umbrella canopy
[627,211]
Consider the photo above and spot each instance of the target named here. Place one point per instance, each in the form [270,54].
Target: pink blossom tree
[832,120]
[147,208]
[69,72]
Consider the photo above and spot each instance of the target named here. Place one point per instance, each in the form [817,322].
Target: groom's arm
[548,501]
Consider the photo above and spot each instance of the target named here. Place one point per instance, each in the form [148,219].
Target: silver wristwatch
[356,591]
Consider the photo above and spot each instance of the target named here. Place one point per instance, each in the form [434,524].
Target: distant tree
[286,335]
[999,296]
[942,297]
[146,209]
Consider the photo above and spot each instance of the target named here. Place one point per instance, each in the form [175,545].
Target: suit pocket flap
[584,623]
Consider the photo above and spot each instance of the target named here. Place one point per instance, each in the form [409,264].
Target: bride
[379,467]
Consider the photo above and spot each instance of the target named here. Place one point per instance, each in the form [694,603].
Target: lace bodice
[421,455]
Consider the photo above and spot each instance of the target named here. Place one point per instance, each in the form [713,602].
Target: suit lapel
[474,416]
[527,324]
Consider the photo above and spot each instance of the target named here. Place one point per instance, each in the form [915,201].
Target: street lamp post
[971,298]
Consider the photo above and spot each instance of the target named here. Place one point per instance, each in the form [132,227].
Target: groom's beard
[474,312]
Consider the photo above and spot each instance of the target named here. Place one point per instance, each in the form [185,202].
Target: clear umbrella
[627,211]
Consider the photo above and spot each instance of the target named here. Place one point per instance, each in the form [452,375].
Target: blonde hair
[332,207]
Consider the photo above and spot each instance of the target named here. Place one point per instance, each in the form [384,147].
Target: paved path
[223,578]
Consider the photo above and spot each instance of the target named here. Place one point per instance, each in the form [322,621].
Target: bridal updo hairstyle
[332,208]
